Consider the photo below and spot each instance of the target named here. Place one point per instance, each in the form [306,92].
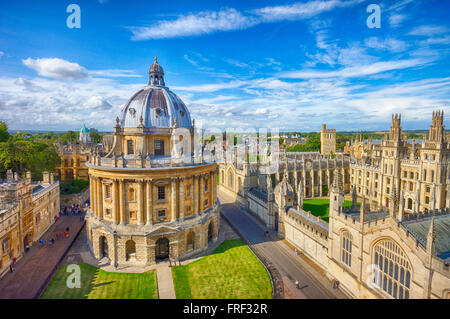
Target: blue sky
[236,64]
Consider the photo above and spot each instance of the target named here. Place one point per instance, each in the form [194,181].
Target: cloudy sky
[236,64]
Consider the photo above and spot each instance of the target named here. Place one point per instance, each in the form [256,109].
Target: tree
[4,135]
[69,136]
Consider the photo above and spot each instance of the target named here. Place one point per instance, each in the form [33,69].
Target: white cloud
[97,102]
[389,44]
[299,10]
[428,30]
[56,68]
[356,71]
[2,53]
[230,19]
[395,19]
[194,24]
[115,73]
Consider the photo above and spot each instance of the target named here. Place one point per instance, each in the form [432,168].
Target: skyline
[290,65]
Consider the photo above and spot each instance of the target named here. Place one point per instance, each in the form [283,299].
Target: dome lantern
[156,74]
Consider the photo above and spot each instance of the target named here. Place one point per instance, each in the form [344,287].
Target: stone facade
[412,173]
[27,210]
[73,156]
[153,196]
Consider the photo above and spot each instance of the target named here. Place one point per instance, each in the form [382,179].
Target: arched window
[230,179]
[394,270]
[410,203]
[131,196]
[346,248]
[190,241]
[206,185]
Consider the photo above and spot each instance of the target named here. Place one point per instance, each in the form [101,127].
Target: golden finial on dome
[156,59]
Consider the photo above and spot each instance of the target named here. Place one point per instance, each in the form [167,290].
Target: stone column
[312,182]
[149,203]
[140,207]
[122,202]
[201,192]
[181,198]
[92,196]
[173,194]
[95,196]
[100,199]
[195,194]
[115,208]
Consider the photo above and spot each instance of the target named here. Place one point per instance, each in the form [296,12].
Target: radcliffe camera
[233,157]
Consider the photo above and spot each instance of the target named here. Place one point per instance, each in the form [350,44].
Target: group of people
[60,235]
[75,209]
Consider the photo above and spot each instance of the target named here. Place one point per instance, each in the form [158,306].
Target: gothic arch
[394,272]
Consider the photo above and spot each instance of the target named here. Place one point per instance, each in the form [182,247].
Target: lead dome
[156,104]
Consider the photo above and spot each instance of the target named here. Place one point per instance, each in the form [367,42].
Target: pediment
[161,230]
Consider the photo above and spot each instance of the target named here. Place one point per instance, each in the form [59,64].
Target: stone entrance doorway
[162,249]
[103,247]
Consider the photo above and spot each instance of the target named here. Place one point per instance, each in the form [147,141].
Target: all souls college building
[153,195]
[395,243]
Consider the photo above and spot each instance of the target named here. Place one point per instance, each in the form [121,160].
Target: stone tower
[327,141]
[284,197]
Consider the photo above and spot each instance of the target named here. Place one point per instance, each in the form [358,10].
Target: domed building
[153,195]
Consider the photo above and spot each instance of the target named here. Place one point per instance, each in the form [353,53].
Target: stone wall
[79,198]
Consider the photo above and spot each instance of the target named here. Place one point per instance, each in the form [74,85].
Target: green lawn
[230,272]
[99,284]
[321,207]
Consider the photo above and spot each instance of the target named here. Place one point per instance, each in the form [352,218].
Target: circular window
[132,111]
[158,112]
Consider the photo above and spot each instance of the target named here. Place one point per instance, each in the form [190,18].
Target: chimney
[51,178]
[28,175]
[46,177]
[9,176]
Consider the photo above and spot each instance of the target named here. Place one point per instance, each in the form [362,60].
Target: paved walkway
[166,290]
[33,271]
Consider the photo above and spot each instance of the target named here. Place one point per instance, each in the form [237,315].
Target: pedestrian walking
[14,260]
[60,235]
[297,284]
[66,234]
[57,236]
[67,229]
[11,269]
[27,247]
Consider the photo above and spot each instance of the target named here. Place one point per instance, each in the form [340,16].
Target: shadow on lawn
[228,244]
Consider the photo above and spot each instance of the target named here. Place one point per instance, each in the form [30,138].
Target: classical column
[95,201]
[173,194]
[100,199]
[201,192]
[181,198]
[92,196]
[149,203]
[140,208]
[122,202]
[213,188]
[195,193]
[115,208]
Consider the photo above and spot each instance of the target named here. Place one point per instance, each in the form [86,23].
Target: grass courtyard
[230,272]
[99,284]
[321,207]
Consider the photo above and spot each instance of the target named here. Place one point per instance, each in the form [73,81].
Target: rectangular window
[6,245]
[162,213]
[159,147]
[108,212]
[132,214]
[205,204]
[161,192]
[427,200]
[130,147]
[108,191]
[188,190]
